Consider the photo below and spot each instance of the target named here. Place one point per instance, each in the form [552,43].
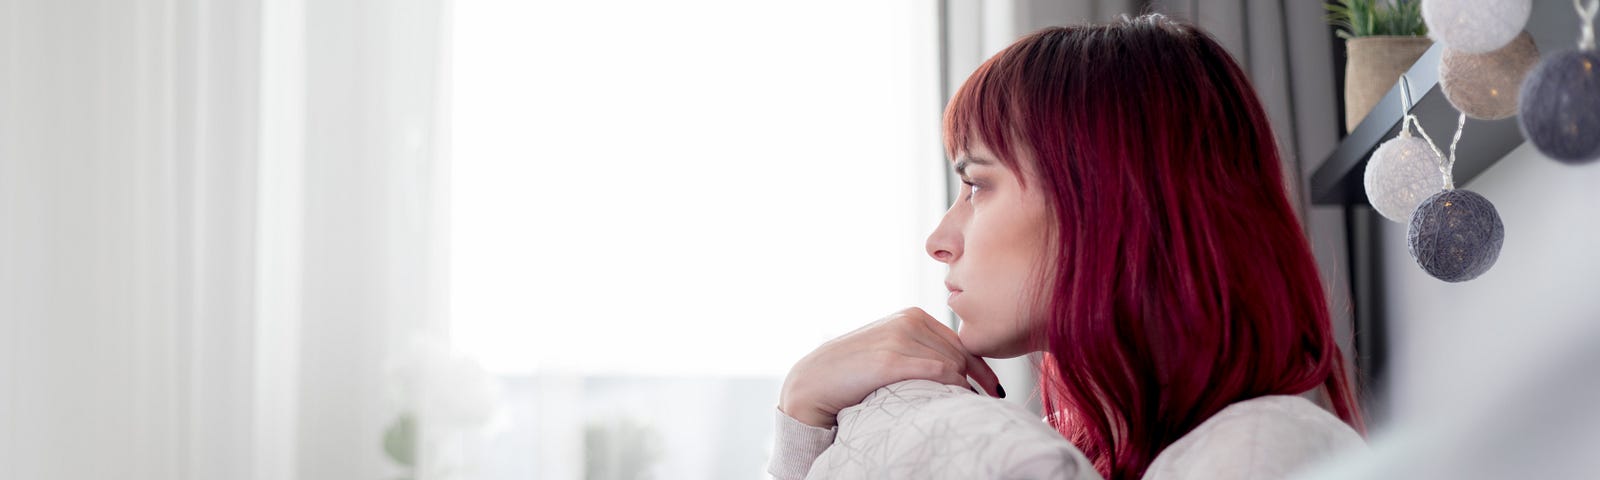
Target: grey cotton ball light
[1484,85]
[1560,111]
[1401,173]
[1455,235]
[1475,26]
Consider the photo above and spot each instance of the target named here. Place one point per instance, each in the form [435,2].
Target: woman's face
[993,238]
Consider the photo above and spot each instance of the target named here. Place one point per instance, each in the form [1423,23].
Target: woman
[1122,212]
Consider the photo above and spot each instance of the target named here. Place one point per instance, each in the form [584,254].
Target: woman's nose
[944,244]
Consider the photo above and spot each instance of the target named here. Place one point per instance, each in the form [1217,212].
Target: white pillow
[923,429]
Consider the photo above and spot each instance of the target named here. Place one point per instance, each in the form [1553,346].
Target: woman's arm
[909,344]
[906,345]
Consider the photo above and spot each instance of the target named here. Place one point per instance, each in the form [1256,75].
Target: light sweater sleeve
[797,445]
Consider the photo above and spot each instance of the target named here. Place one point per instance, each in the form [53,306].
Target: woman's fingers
[917,354]
[936,335]
[908,344]
[976,367]
[979,371]
[932,348]
[935,366]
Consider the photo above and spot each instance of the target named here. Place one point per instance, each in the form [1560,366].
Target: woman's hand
[906,345]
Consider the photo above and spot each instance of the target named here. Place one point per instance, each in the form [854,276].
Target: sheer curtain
[219,237]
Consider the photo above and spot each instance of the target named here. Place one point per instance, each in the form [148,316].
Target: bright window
[657,207]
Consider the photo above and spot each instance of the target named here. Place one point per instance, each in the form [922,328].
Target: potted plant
[1382,39]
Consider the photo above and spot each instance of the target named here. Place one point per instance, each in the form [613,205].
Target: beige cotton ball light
[1402,173]
[1475,26]
[1485,85]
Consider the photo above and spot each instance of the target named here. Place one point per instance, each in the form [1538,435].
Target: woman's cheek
[990,336]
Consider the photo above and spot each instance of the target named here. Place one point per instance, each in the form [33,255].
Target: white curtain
[220,235]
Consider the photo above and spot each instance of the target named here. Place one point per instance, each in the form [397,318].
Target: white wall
[1458,340]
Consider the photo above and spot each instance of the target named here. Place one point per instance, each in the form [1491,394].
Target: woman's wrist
[810,417]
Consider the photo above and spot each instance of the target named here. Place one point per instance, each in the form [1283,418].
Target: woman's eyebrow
[961,166]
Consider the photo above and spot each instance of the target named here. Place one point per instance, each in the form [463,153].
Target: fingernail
[1000,389]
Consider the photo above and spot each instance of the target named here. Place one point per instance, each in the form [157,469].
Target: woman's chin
[985,344]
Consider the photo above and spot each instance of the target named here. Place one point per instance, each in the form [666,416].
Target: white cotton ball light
[1475,26]
[1402,173]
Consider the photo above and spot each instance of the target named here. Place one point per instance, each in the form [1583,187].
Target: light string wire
[1446,164]
[1586,40]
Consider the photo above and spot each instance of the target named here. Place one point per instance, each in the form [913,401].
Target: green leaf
[1361,18]
[1374,20]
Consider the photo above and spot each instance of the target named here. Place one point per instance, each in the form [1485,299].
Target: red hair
[1182,281]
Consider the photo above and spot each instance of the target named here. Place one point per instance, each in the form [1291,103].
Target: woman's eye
[972,188]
